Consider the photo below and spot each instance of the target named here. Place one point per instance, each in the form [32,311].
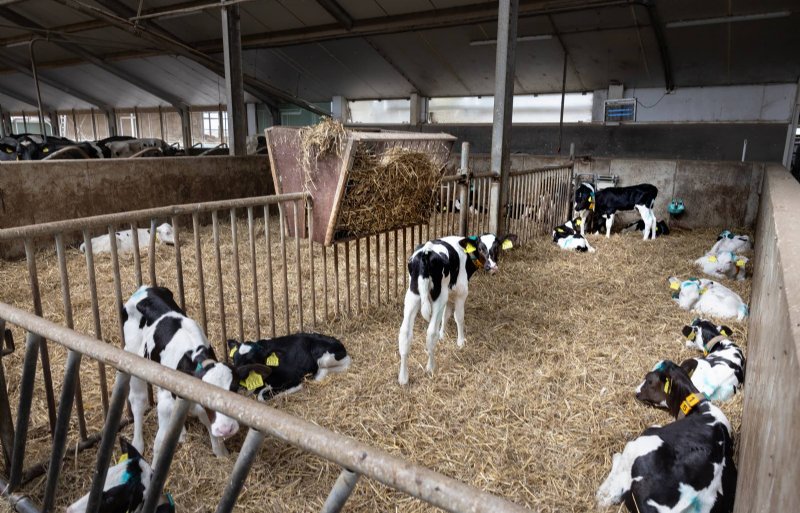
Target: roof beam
[661,39]
[22,98]
[142,84]
[163,39]
[338,12]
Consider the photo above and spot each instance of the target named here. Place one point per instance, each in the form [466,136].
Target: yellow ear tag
[703,291]
[272,360]
[692,336]
[253,381]
[666,386]
[724,333]
[123,458]
[712,258]
[233,351]
[578,221]
[740,263]
[507,244]
[675,285]
[470,248]
[46,150]
[560,230]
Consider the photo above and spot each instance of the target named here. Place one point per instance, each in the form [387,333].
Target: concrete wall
[686,141]
[769,467]
[716,194]
[39,192]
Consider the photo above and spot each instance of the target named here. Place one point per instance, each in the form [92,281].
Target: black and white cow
[568,238]
[126,486]
[439,273]
[157,329]
[607,202]
[290,358]
[661,227]
[685,466]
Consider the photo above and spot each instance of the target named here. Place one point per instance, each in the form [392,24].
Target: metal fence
[235,269]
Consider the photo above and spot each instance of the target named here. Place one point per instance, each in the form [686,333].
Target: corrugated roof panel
[46,13]
[103,85]
[50,96]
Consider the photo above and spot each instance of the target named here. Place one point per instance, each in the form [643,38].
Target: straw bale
[532,408]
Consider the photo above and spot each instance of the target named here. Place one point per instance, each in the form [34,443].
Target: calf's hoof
[402,377]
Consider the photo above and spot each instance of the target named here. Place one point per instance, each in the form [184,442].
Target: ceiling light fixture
[728,19]
[521,39]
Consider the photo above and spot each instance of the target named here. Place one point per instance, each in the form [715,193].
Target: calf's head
[225,377]
[668,386]
[704,334]
[484,250]
[584,197]
[166,234]
[251,363]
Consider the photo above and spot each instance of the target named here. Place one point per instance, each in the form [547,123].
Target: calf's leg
[411,307]
[137,396]
[459,315]
[609,224]
[216,443]
[433,334]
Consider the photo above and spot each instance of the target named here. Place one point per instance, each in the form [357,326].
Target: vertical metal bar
[310,221]
[220,287]
[94,126]
[178,261]
[563,95]
[66,301]
[336,278]
[251,238]
[152,253]
[395,265]
[161,124]
[325,280]
[198,256]
[284,270]
[237,280]
[165,454]
[531,206]
[296,212]
[106,447]
[347,276]
[270,288]
[358,275]
[112,236]
[33,276]
[369,271]
[98,330]
[33,341]
[69,389]
[402,262]
[378,269]
[137,257]
[75,126]
[6,422]
[386,260]
[248,454]
[341,491]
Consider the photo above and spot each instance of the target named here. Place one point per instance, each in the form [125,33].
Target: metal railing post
[463,189]
[250,448]
[165,454]
[62,428]
[6,422]
[118,399]
[341,491]
[33,341]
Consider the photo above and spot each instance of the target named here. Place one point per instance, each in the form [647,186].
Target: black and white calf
[607,202]
[661,227]
[568,238]
[126,486]
[290,359]
[685,466]
[439,273]
[157,329]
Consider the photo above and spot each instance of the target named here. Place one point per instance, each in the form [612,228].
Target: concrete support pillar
[503,106]
[5,122]
[339,110]
[232,50]
[111,120]
[252,119]
[419,109]
[53,116]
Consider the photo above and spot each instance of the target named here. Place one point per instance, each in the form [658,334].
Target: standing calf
[439,273]
[608,201]
[290,359]
[157,329]
[686,466]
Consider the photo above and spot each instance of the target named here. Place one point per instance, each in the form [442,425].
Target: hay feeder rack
[330,178]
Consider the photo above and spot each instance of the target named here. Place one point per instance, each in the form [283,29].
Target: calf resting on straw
[685,466]
[439,273]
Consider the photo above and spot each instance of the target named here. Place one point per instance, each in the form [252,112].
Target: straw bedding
[531,409]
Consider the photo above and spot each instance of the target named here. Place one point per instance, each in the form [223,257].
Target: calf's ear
[233,346]
[128,449]
[688,332]
[509,241]
[725,331]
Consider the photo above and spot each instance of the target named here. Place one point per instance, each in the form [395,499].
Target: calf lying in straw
[157,329]
[685,466]
[723,265]
[568,238]
[289,359]
[708,297]
[126,486]
[439,273]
